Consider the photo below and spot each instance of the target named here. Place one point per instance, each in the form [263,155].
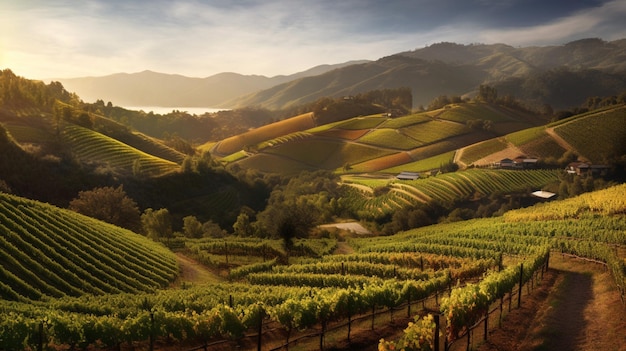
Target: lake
[162,110]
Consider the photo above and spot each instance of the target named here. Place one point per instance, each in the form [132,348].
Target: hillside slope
[149,88]
[370,143]
[596,136]
[590,67]
[48,251]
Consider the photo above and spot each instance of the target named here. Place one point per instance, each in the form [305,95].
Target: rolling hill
[53,147]
[427,140]
[369,143]
[589,67]
[579,134]
[52,252]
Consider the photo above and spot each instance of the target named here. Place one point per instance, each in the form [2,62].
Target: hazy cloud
[65,38]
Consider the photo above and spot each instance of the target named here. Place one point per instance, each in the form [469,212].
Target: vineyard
[444,188]
[49,252]
[611,124]
[470,265]
[95,147]
[369,143]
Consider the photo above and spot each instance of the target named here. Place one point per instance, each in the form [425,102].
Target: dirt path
[577,308]
[193,272]
[562,142]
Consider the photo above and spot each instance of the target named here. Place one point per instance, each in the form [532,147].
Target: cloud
[606,22]
[65,38]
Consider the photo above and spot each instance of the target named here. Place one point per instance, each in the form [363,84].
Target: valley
[329,223]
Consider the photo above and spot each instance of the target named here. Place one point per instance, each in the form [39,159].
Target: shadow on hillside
[565,323]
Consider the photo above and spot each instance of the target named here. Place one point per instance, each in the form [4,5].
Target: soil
[577,307]
[194,272]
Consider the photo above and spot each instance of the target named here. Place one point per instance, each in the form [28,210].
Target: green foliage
[611,124]
[92,146]
[192,228]
[157,224]
[383,272]
[418,336]
[108,204]
[53,252]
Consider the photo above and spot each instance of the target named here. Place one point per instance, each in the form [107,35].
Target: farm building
[518,163]
[506,163]
[584,168]
[408,176]
[543,194]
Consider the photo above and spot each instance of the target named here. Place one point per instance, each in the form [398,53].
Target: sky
[42,39]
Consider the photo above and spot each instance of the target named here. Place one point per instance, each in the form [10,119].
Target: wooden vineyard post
[408,313]
[151,347]
[226,251]
[259,342]
[486,323]
[436,316]
[349,326]
[40,341]
[521,280]
[501,303]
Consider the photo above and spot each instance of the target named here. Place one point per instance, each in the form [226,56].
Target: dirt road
[577,308]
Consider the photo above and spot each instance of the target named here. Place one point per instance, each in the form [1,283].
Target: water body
[162,110]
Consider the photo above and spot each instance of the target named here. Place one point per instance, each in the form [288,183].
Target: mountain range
[150,88]
[589,67]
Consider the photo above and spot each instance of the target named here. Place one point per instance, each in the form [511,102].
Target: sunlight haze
[61,39]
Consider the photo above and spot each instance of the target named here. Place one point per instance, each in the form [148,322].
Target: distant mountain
[455,69]
[149,88]
[561,76]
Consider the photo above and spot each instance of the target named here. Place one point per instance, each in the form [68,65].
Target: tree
[157,224]
[192,228]
[487,93]
[242,226]
[108,204]
[213,230]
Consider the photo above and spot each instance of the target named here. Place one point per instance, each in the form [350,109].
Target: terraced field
[448,187]
[371,143]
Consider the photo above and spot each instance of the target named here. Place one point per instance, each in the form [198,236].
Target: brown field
[271,131]
[383,162]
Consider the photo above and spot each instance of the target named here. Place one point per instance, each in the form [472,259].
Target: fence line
[517,291]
